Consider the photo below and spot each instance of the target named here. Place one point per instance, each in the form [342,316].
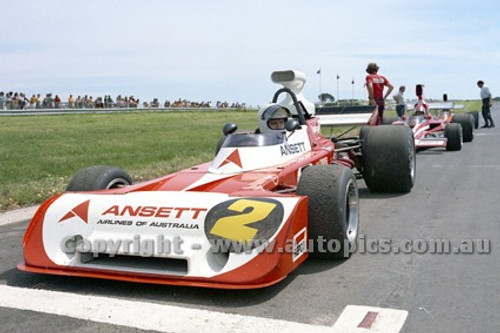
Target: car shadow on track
[364,193]
[313,266]
[431,152]
[175,295]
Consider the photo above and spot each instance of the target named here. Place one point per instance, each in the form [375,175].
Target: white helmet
[273,118]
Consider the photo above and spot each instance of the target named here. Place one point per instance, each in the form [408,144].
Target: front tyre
[333,210]
[453,134]
[99,177]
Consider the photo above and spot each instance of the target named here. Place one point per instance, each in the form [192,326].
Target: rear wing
[444,106]
[438,106]
[348,115]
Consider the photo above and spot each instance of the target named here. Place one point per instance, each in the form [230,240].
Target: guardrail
[41,112]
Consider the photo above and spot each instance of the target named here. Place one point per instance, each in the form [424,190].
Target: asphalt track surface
[455,198]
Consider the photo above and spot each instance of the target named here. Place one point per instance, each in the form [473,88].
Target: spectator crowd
[19,101]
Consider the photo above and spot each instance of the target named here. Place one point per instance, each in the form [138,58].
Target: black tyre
[475,114]
[362,132]
[453,132]
[333,209]
[99,177]
[467,123]
[389,161]
[389,120]
[359,158]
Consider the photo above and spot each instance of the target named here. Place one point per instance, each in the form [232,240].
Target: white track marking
[17,215]
[486,134]
[142,315]
[473,166]
[358,319]
[160,317]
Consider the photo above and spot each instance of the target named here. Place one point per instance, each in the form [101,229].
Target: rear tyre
[389,120]
[389,161]
[359,157]
[475,114]
[467,123]
[453,132]
[99,177]
[333,211]
[362,132]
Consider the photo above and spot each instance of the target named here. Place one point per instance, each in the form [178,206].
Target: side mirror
[229,128]
[292,124]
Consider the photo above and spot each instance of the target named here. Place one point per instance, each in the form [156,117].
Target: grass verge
[39,154]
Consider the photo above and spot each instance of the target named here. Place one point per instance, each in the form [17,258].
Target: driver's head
[273,118]
[276,123]
[278,119]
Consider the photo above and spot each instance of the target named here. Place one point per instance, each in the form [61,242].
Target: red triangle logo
[234,158]
[82,211]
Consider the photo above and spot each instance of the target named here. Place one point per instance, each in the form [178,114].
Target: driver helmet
[273,118]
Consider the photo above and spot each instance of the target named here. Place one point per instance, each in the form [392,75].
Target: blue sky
[226,50]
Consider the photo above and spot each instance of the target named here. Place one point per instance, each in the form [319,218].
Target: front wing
[176,238]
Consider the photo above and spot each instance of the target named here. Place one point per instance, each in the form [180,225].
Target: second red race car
[444,130]
[270,198]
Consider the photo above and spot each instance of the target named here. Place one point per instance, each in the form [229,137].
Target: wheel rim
[352,211]
[117,183]
[412,160]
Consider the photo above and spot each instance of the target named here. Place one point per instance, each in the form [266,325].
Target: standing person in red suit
[375,85]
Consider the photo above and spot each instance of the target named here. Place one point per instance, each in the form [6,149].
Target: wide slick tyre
[389,120]
[362,131]
[475,115]
[467,122]
[333,211]
[389,161]
[99,177]
[453,134]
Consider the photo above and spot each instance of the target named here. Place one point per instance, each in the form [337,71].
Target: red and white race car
[269,198]
[446,130]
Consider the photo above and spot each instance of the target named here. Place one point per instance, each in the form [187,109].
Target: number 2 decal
[236,227]
[244,220]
